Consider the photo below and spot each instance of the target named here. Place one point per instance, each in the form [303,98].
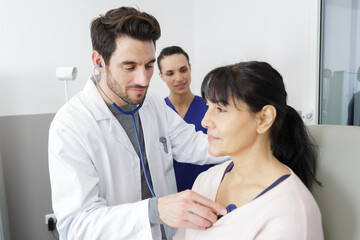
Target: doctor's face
[129,71]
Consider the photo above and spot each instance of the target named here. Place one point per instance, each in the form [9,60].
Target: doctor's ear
[98,61]
[265,118]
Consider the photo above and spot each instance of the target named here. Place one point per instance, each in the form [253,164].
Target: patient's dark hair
[258,84]
[168,51]
[123,21]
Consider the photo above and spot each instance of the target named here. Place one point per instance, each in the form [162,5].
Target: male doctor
[99,190]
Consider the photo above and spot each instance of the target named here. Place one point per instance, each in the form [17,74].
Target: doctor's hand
[188,209]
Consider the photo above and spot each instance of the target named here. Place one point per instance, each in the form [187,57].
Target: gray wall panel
[23,145]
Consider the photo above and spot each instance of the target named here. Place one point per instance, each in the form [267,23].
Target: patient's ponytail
[290,144]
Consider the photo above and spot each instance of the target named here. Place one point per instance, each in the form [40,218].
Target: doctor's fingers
[203,203]
[173,210]
[198,216]
[187,209]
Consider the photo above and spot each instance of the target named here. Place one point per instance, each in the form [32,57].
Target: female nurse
[175,71]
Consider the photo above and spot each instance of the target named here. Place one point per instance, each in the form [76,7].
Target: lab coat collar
[100,110]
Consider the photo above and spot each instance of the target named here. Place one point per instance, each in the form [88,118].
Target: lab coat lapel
[147,127]
[102,113]
[120,135]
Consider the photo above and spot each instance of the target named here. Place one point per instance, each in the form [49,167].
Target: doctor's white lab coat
[95,172]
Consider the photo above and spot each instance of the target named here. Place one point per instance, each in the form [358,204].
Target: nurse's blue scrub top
[186,173]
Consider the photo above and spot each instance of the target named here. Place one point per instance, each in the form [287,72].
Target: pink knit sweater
[288,211]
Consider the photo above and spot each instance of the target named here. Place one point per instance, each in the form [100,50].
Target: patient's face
[231,130]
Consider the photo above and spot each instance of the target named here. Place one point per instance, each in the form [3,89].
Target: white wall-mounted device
[65,74]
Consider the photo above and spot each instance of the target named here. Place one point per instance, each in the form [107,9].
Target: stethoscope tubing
[132,113]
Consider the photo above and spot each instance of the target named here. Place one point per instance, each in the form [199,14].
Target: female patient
[273,163]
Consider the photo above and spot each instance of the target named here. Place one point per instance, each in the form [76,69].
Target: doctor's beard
[116,88]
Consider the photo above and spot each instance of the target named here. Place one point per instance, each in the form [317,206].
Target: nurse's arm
[188,209]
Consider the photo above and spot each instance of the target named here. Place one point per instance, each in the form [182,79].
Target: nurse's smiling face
[127,76]
[231,130]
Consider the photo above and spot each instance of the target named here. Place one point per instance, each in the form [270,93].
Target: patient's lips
[212,138]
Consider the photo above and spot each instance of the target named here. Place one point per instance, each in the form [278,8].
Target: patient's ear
[265,118]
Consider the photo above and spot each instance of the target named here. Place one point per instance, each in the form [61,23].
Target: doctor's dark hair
[258,84]
[123,21]
[168,51]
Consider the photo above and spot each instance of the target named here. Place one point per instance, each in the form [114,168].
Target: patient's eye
[220,109]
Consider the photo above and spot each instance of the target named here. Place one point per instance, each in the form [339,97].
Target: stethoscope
[132,113]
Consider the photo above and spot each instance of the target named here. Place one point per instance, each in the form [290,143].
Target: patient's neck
[252,173]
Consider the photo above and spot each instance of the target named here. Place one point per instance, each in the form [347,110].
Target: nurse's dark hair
[123,21]
[168,51]
[258,84]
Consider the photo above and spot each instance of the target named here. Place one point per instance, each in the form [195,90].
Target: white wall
[41,35]
[38,36]
[282,32]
